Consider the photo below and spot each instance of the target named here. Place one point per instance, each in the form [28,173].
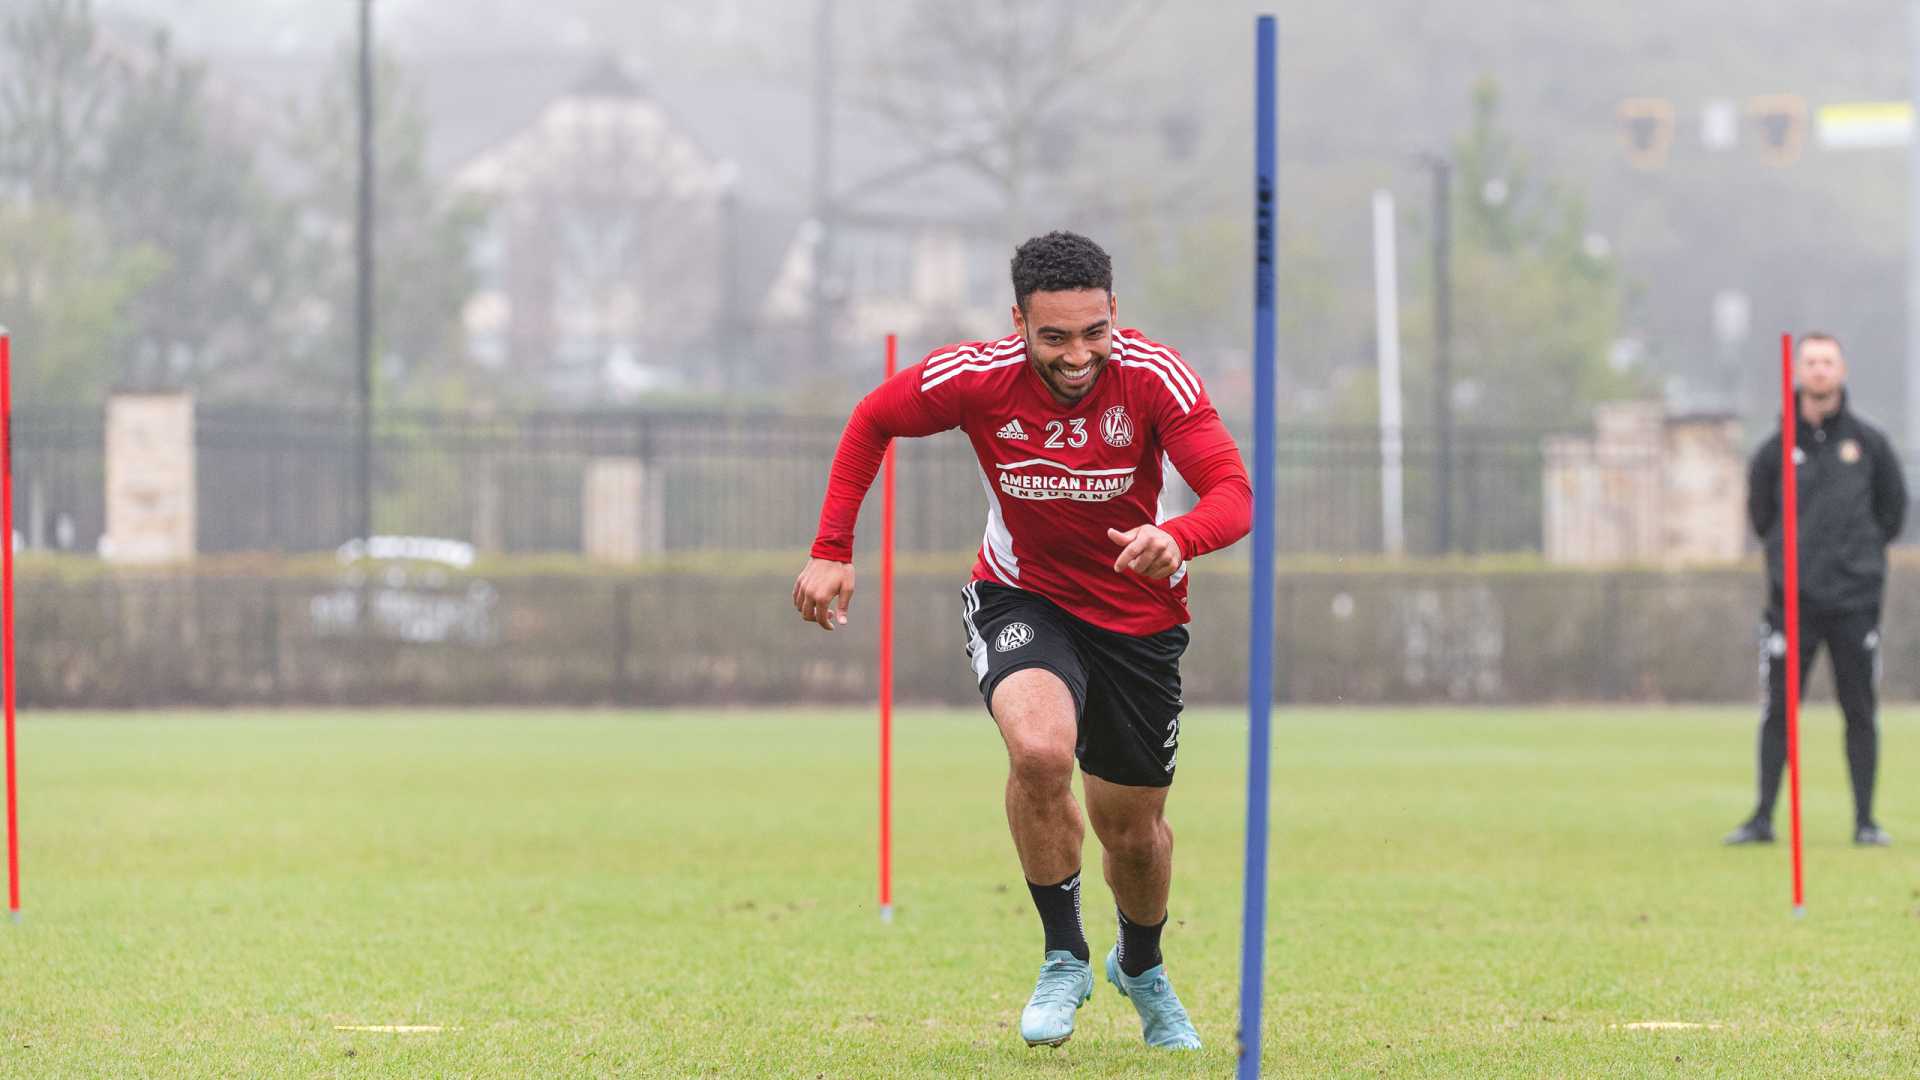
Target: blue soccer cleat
[1066,982]
[1163,1021]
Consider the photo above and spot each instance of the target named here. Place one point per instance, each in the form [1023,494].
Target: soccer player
[1074,615]
[1853,500]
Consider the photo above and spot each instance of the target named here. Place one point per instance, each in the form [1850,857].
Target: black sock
[1059,906]
[1139,945]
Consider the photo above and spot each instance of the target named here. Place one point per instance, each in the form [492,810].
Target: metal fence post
[1616,687]
[1283,640]
[271,635]
[622,639]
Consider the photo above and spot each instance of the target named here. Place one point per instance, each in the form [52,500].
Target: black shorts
[1126,689]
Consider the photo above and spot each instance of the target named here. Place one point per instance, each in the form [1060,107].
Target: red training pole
[886,664]
[1790,560]
[6,618]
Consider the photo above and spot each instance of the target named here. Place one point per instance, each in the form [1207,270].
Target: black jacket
[1853,500]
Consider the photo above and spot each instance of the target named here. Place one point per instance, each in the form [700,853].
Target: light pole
[821,302]
[1442,171]
[363,285]
[1913,231]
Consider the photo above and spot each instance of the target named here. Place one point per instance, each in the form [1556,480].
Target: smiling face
[1069,337]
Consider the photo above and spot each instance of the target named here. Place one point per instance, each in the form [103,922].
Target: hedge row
[277,632]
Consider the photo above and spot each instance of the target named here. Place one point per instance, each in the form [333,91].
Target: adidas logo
[1013,431]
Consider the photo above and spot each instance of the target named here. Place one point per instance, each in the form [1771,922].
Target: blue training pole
[1260,634]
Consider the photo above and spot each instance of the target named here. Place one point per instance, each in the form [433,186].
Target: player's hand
[818,587]
[1146,550]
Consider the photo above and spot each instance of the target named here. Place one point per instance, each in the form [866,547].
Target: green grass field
[1456,893]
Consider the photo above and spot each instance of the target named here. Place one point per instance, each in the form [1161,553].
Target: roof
[609,79]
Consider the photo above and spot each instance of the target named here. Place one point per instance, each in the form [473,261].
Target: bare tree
[55,98]
[1010,92]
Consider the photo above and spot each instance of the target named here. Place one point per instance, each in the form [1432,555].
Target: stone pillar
[489,532]
[1574,499]
[1646,488]
[622,517]
[151,504]
[1628,437]
[1603,494]
[1705,487]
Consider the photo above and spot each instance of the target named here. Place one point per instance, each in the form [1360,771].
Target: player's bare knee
[1134,843]
[1036,717]
[1039,760]
[1138,834]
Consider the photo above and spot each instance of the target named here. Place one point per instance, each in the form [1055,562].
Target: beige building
[926,282]
[1646,487]
[602,266]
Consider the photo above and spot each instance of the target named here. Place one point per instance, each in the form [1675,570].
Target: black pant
[1853,642]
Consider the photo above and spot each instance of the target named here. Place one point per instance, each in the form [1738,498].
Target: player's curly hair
[1059,262]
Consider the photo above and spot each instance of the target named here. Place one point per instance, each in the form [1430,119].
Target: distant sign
[455,553]
[1732,317]
[1720,125]
[1781,120]
[407,593]
[1864,125]
[1646,130]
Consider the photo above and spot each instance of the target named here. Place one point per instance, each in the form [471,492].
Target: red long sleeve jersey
[1057,477]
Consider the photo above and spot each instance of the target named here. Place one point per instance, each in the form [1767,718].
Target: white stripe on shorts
[976,645]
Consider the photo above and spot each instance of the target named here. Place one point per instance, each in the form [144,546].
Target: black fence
[284,481]
[1328,487]
[59,478]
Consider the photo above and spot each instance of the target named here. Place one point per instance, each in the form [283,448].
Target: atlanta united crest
[1116,426]
[1013,637]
